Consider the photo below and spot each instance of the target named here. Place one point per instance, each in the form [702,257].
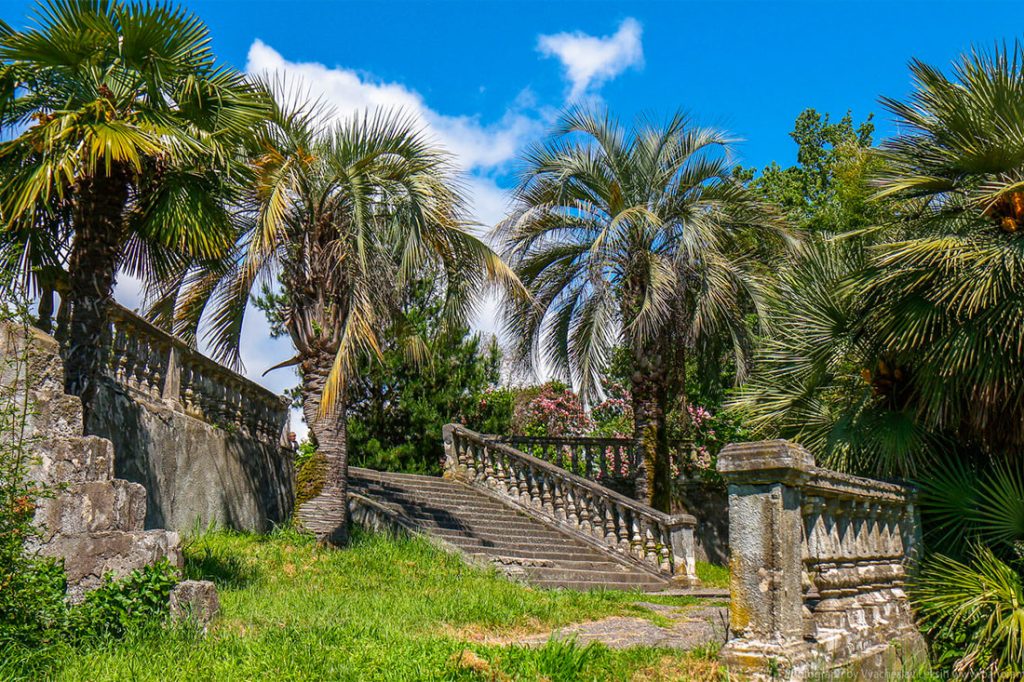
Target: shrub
[117,607]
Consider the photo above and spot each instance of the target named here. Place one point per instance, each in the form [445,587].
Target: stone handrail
[818,563]
[592,458]
[613,462]
[159,366]
[633,530]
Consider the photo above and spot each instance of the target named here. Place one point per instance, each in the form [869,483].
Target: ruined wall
[194,472]
[92,520]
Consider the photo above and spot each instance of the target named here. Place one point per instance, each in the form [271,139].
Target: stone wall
[91,520]
[818,560]
[194,472]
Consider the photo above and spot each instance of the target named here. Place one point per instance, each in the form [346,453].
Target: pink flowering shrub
[708,434]
[556,412]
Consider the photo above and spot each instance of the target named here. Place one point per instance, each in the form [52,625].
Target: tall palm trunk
[99,231]
[654,479]
[331,440]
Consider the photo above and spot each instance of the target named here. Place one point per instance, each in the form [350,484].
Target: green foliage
[828,190]
[31,587]
[384,608]
[119,606]
[494,411]
[399,404]
[975,613]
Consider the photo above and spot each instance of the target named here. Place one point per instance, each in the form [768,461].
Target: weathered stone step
[89,556]
[498,533]
[58,415]
[437,498]
[589,586]
[511,542]
[93,506]
[584,575]
[73,459]
[499,529]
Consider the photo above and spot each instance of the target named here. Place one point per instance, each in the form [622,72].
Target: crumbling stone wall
[93,521]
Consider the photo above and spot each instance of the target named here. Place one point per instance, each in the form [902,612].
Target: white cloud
[474,144]
[589,61]
[482,150]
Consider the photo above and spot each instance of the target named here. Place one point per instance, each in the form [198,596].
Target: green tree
[125,132]
[347,216]
[828,190]
[636,236]
[398,404]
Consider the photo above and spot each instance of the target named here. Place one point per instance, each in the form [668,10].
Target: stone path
[689,627]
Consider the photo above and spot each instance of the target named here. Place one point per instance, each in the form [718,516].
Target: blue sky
[487,78]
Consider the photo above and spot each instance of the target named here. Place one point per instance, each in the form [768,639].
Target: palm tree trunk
[99,235]
[654,478]
[331,440]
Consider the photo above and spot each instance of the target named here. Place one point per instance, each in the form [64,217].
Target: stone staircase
[93,521]
[484,528]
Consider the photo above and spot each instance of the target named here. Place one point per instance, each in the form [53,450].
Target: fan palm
[822,380]
[948,300]
[635,236]
[346,216]
[120,113]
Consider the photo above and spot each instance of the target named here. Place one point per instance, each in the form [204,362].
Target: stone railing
[818,562]
[148,361]
[612,462]
[601,516]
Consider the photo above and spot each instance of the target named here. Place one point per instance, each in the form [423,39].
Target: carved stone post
[452,469]
[766,539]
[171,389]
[684,563]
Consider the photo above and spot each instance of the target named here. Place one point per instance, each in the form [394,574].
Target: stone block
[72,460]
[194,600]
[88,557]
[93,506]
[56,415]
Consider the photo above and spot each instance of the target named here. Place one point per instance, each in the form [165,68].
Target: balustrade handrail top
[830,483]
[666,519]
[580,440]
[118,311]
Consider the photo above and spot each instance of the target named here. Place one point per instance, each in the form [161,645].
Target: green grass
[712,575]
[382,609]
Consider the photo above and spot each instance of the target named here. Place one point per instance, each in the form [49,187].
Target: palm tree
[946,294]
[635,236]
[119,113]
[347,216]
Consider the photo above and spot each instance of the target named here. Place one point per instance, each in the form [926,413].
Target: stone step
[93,506]
[483,527]
[590,586]
[495,538]
[89,556]
[585,575]
[58,415]
[72,459]
[446,497]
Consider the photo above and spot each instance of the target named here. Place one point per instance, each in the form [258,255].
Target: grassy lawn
[384,609]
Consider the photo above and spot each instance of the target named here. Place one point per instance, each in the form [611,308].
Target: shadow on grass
[225,570]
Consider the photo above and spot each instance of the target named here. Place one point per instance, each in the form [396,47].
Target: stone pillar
[683,551]
[452,470]
[766,555]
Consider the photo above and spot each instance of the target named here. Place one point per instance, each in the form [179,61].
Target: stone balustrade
[597,514]
[818,562]
[612,462]
[158,366]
